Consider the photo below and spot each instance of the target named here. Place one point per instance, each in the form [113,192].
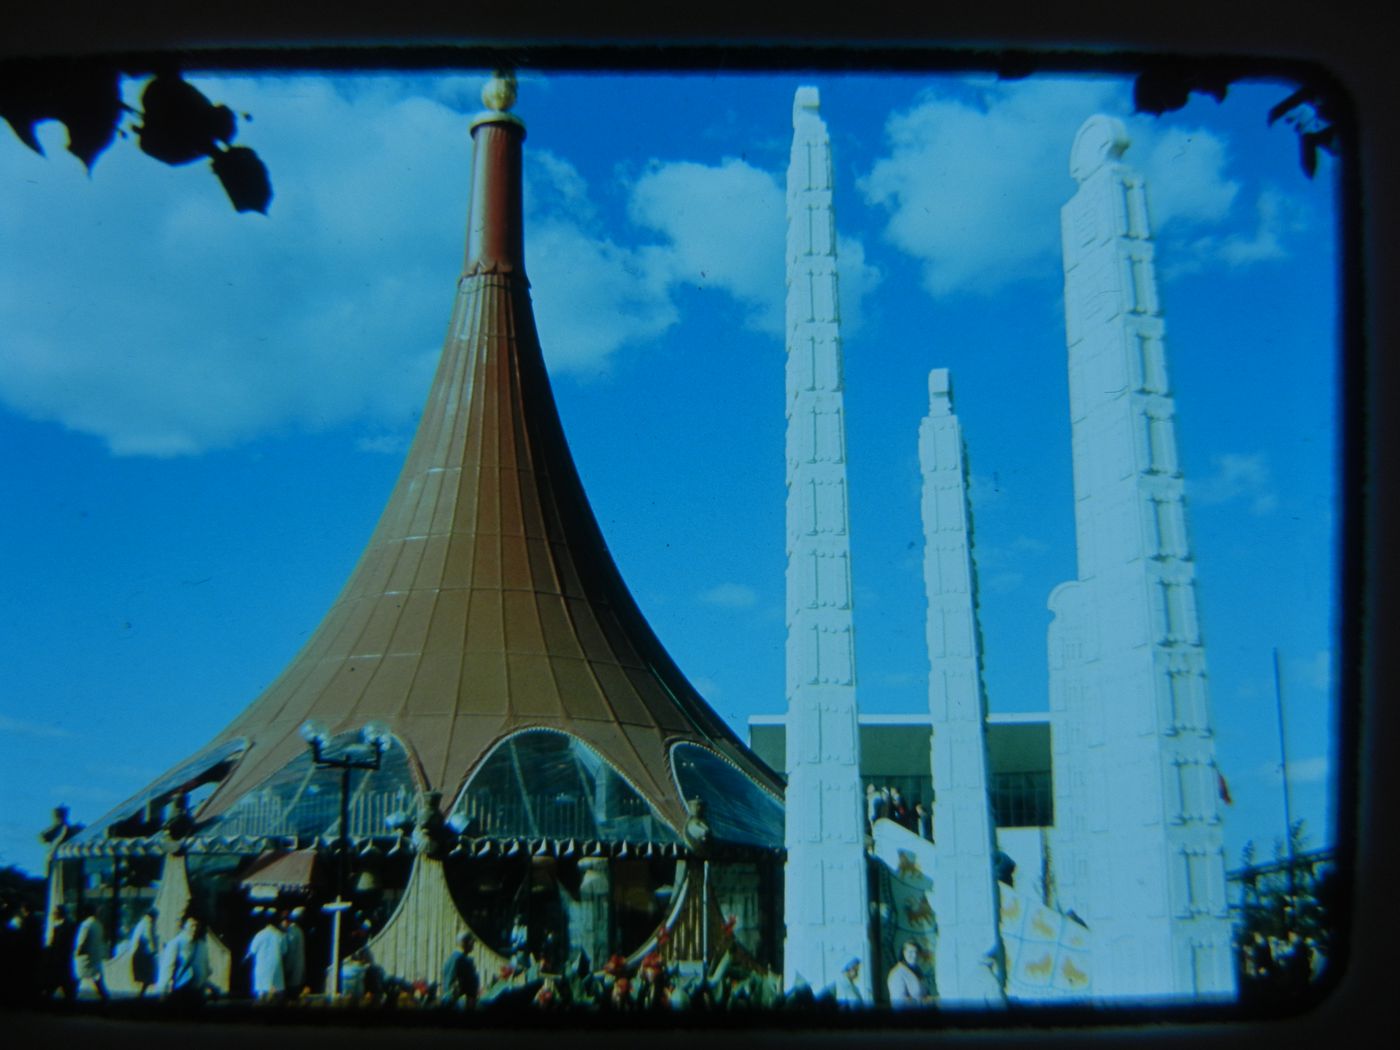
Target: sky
[202,413]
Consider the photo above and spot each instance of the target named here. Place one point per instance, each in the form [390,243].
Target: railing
[555,817]
[1022,800]
[264,814]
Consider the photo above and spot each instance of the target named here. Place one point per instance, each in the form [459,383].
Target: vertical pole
[335,908]
[1287,804]
[335,953]
[341,876]
[705,914]
[114,925]
[344,829]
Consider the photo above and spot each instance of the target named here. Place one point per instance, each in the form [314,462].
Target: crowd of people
[889,803]
[71,964]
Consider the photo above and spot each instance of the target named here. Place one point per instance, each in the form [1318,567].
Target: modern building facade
[894,753]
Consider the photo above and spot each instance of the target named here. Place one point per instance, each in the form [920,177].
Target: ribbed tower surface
[486,601]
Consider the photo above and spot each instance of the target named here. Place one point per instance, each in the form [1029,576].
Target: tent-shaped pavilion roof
[486,602]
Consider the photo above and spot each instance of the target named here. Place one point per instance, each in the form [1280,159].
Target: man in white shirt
[293,954]
[265,952]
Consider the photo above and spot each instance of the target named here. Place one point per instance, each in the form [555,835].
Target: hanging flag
[1224,788]
[1047,951]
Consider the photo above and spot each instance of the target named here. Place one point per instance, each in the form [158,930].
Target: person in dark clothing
[460,982]
[923,820]
[24,945]
[58,958]
[898,811]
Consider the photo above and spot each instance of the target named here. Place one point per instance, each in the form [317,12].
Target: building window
[1022,800]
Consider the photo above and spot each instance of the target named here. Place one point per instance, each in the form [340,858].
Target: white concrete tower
[965,899]
[826,884]
[1138,851]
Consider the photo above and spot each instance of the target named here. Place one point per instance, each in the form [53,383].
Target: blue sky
[203,413]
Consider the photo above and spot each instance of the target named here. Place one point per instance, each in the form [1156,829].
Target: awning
[275,873]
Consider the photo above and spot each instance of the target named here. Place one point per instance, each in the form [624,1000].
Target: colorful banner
[1047,952]
[910,860]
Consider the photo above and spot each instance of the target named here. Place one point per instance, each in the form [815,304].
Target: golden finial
[499,93]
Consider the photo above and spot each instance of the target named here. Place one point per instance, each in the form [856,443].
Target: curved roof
[486,601]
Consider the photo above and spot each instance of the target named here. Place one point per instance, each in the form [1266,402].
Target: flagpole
[1283,755]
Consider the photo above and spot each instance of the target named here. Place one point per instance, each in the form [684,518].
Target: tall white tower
[965,898]
[1138,851]
[826,883]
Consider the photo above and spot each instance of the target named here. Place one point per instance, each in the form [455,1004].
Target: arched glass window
[546,784]
[737,809]
[303,801]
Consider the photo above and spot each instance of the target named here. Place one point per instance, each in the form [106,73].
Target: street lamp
[367,755]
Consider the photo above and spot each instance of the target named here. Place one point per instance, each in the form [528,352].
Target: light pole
[366,755]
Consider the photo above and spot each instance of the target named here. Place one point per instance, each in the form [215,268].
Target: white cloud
[1185,173]
[141,309]
[1238,477]
[725,229]
[856,280]
[1278,217]
[973,183]
[975,176]
[24,727]
[730,596]
[553,186]
[602,296]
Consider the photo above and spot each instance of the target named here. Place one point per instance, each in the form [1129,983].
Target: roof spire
[486,603]
[495,227]
[499,92]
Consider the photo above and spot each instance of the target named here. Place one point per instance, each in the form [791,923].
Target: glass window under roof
[182,778]
[547,784]
[302,800]
[736,808]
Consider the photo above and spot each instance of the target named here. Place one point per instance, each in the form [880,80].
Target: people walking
[23,954]
[58,958]
[90,952]
[265,954]
[184,965]
[145,952]
[293,954]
